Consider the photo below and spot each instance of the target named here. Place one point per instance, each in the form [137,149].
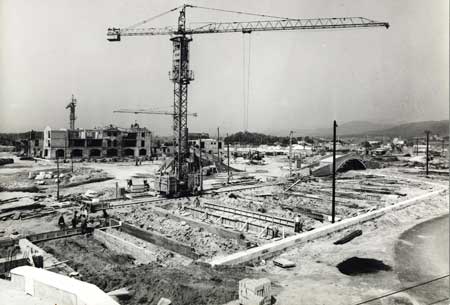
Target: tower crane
[72,117]
[185,175]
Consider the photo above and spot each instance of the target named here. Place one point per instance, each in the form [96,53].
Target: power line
[438,301]
[401,290]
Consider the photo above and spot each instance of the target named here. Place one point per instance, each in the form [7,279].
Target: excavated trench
[196,283]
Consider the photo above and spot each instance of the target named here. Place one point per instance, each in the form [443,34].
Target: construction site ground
[314,279]
[191,283]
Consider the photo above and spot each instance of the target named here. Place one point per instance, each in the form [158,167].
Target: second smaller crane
[72,117]
[144,111]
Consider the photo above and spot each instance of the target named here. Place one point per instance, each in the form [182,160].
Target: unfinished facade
[107,142]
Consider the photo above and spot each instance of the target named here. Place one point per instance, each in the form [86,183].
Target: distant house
[207,145]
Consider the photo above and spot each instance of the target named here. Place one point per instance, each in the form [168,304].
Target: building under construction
[104,142]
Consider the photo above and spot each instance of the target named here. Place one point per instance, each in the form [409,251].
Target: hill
[410,130]
[347,128]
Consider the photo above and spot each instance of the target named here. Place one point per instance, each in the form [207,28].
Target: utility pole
[218,139]
[71,160]
[427,132]
[201,167]
[29,144]
[228,157]
[57,179]
[290,153]
[417,146]
[333,199]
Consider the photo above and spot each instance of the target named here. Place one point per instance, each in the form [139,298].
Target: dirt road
[422,254]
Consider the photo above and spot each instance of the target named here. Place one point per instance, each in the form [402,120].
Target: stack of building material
[255,292]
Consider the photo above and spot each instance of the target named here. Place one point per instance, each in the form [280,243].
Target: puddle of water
[358,266]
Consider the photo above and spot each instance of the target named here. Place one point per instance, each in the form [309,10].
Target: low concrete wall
[161,240]
[225,233]
[271,249]
[122,246]
[27,247]
[7,264]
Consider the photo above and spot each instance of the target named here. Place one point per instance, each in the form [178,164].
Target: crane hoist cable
[244,97]
[152,18]
[248,74]
[238,12]
[246,64]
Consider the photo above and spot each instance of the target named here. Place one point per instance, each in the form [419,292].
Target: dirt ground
[312,282]
[192,284]
[316,276]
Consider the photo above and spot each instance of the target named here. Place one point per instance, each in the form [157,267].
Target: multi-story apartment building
[110,141]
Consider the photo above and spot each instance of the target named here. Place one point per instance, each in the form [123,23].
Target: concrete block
[255,292]
[164,301]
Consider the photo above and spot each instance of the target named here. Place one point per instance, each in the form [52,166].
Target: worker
[75,220]
[106,216]
[297,224]
[83,221]
[274,232]
[129,183]
[196,202]
[84,211]
[146,185]
[61,222]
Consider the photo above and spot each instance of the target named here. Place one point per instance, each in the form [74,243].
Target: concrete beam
[271,249]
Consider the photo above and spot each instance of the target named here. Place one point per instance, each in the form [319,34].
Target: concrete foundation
[7,264]
[50,262]
[214,229]
[272,249]
[119,245]
[160,240]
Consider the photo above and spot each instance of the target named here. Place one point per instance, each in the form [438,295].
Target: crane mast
[185,171]
[181,76]
[71,106]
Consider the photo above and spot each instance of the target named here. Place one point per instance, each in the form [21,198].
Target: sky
[51,49]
